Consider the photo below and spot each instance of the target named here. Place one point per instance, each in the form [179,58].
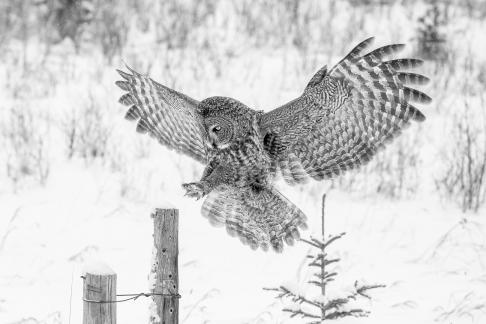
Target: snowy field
[78,184]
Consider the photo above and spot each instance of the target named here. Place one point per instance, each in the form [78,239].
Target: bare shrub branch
[464,158]
[26,146]
[86,131]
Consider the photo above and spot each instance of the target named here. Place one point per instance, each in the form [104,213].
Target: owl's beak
[214,143]
[209,144]
[213,140]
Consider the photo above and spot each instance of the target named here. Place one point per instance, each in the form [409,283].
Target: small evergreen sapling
[321,308]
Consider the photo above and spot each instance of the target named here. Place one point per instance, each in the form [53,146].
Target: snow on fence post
[99,289]
[164,276]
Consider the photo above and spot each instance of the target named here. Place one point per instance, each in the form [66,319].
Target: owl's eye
[216,128]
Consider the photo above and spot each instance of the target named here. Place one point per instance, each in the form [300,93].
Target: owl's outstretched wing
[345,115]
[165,114]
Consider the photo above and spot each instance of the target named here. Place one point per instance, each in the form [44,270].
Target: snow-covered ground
[431,260]
[96,206]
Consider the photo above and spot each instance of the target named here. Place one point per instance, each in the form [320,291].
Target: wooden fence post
[99,286]
[164,273]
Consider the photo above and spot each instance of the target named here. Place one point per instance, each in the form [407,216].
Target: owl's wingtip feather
[369,39]
[419,116]
[124,85]
[124,75]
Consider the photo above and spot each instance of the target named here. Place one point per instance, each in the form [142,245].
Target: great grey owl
[343,117]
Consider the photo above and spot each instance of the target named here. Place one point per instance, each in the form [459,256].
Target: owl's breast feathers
[246,159]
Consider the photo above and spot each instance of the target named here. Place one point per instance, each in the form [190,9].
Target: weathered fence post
[164,273]
[98,290]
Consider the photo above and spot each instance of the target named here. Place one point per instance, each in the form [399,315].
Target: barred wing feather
[345,115]
[165,114]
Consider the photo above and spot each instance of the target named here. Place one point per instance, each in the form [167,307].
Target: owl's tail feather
[260,217]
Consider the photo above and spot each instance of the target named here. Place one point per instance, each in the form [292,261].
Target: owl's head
[225,120]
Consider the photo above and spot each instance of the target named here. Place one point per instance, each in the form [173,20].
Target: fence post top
[164,205]
[96,267]
[157,212]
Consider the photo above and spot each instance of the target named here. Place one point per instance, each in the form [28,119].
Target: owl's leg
[212,177]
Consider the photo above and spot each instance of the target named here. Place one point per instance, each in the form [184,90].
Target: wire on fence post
[99,287]
[164,271]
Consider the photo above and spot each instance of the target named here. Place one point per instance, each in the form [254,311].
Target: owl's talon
[194,190]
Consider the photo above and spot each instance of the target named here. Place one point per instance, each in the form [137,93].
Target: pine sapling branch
[329,309]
